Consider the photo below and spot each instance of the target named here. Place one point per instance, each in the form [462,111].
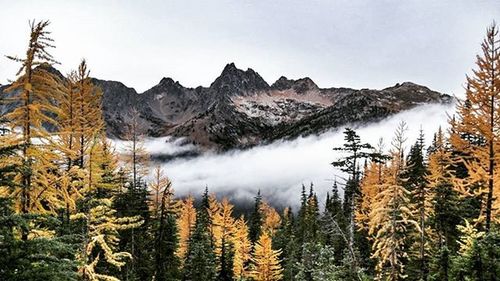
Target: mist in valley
[280,169]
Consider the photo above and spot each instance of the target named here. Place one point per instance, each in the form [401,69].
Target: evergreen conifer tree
[200,264]
[256,219]
[421,198]
[166,237]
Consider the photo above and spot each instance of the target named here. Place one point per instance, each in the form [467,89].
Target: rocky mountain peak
[282,83]
[166,86]
[229,68]
[234,81]
[240,109]
[304,85]
[167,81]
[300,86]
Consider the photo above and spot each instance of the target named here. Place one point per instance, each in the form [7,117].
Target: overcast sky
[359,44]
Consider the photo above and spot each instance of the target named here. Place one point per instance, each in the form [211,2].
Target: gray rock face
[234,81]
[241,110]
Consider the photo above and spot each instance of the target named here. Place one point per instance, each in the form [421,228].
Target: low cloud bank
[160,146]
[279,169]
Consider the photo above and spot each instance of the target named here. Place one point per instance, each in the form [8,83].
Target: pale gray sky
[359,44]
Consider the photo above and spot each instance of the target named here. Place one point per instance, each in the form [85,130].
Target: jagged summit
[305,84]
[240,109]
[167,84]
[301,85]
[282,83]
[233,80]
[229,68]
[167,81]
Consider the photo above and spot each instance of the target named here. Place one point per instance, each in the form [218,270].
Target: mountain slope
[240,109]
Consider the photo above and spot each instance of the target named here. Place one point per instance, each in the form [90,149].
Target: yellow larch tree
[391,215]
[80,130]
[185,223]
[168,204]
[271,219]
[68,121]
[369,186]
[102,238]
[475,130]
[71,176]
[102,226]
[213,211]
[8,143]
[89,121]
[156,187]
[242,249]
[101,167]
[266,261]
[223,226]
[36,90]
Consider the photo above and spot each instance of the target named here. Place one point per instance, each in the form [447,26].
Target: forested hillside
[73,209]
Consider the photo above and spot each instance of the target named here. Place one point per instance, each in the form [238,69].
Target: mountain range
[240,109]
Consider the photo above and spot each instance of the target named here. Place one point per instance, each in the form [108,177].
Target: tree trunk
[489,200]
[26,175]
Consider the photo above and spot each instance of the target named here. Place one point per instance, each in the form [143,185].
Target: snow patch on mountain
[280,106]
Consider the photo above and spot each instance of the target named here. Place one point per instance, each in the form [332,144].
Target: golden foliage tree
[185,223]
[223,226]
[242,249]
[168,204]
[370,187]
[101,167]
[102,238]
[101,225]
[213,210]
[36,90]
[271,219]
[479,116]
[68,121]
[81,116]
[80,135]
[228,233]
[391,215]
[266,262]
[157,186]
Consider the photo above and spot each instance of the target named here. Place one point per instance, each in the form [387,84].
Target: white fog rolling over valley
[279,169]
